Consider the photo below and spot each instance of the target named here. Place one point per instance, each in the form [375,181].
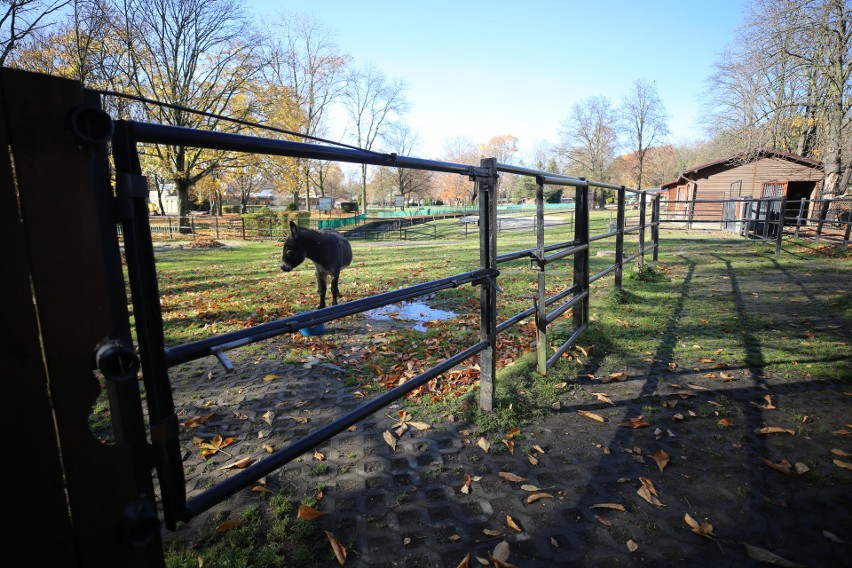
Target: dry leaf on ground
[632,546]
[613,506]
[512,524]
[511,476]
[337,547]
[591,415]
[307,513]
[662,459]
[483,443]
[763,555]
[637,422]
[390,439]
[703,529]
[843,464]
[775,430]
[538,496]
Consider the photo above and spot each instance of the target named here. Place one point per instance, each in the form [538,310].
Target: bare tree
[195,54]
[306,60]
[401,140]
[23,17]
[588,141]
[371,101]
[644,122]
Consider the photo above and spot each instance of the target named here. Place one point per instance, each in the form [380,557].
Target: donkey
[329,250]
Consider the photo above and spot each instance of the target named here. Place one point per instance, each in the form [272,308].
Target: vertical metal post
[655,227]
[486,189]
[619,238]
[780,234]
[581,259]
[642,204]
[216,222]
[541,307]
[799,217]
[131,191]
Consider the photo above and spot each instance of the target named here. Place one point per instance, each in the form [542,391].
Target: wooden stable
[756,175]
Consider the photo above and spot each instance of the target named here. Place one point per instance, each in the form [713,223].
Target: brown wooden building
[765,173]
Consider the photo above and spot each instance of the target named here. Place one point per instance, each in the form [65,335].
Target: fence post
[541,302]
[655,226]
[581,258]
[216,224]
[780,227]
[642,205]
[486,190]
[799,217]
[619,238]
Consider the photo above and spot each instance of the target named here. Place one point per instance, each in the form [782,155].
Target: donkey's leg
[321,286]
[335,291]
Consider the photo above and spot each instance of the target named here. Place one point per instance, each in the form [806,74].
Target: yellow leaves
[484,444]
[213,446]
[648,492]
[637,422]
[240,464]
[197,421]
[591,415]
[538,496]
[307,513]
[702,529]
[603,397]
[662,459]
[632,546]
[390,439]
[337,547]
[319,456]
[513,525]
[774,430]
[268,378]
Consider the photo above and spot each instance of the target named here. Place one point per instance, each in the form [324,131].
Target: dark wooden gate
[70,500]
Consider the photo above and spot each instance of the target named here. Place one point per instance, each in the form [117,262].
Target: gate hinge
[127,188]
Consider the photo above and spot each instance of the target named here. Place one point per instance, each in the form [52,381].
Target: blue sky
[477,69]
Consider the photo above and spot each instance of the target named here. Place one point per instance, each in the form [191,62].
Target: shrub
[230,209]
[553,196]
[349,206]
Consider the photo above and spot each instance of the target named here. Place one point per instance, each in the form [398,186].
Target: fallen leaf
[465,563]
[240,464]
[307,513]
[511,476]
[603,397]
[271,377]
[725,423]
[699,387]
[632,546]
[389,439]
[337,547]
[604,522]
[703,529]
[662,459]
[763,555]
[213,446]
[538,449]
[454,537]
[620,376]
[419,425]
[560,385]
[512,524]
[591,415]
[842,432]
[501,552]
[783,466]
[841,453]
[483,443]
[613,506]
[319,456]
[775,430]
[530,488]
[538,496]
[637,422]
[800,468]
[466,486]
[491,532]
[832,537]
[512,433]
[648,493]
[719,366]
[843,464]
[228,525]
[197,421]
[260,489]
[554,542]
[532,460]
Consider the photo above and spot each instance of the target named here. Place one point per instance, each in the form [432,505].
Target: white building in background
[169,200]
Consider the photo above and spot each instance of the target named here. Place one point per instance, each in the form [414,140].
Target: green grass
[704,295]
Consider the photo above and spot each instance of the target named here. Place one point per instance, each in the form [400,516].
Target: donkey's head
[294,250]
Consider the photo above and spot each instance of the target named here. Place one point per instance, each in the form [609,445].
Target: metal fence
[156,360]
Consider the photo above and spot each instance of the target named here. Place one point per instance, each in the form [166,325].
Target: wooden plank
[67,270]
[37,496]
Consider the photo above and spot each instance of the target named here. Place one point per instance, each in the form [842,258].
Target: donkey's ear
[294,229]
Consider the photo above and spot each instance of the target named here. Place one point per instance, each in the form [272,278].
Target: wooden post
[619,239]
[486,189]
[65,266]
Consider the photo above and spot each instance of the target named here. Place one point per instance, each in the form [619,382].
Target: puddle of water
[417,312]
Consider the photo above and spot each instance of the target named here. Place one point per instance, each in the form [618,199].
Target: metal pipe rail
[532,253]
[567,345]
[180,136]
[214,345]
